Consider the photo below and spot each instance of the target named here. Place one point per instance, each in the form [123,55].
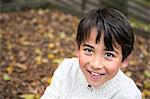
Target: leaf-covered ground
[34,42]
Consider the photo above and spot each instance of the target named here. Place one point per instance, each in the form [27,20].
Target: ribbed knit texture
[68,82]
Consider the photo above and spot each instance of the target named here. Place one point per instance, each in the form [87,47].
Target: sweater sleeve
[138,96]
[53,90]
[132,92]
[129,91]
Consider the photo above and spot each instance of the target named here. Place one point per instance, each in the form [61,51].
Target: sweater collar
[107,86]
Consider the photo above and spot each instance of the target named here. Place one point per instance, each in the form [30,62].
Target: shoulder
[129,90]
[69,61]
[61,78]
[68,65]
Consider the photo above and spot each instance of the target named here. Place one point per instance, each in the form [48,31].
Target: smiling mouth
[95,75]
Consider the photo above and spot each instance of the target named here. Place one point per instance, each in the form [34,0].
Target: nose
[97,63]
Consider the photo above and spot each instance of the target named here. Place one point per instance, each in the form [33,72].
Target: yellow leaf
[49,35]
[144,50]
[62,35]
[57,61]
[128,73]
[51,45]
[147,84]
[54,51]
[38,60]
[25,43]
[45,60]
[38,51]
[146,93]
[10,69]
[28,96]
[147,73]
[133,62]
[41,12]
[49,80]
[50,56]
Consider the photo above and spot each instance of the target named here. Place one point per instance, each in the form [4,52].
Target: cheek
[83,59]
[112,67]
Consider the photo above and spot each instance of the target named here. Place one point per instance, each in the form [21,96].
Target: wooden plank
[73,4]
[138,7]
[138,11]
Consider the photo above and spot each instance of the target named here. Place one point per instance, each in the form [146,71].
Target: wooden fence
[80,7]
[131,7]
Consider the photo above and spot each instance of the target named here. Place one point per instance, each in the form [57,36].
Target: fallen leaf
[146,93]
[9,46]
[50,56]
[10,68]
[6,77]
[38,60]
[44,60]
[147,84]
[38,51]
[62,35]
[49,80]
[132,62]
[57,61]
[144,50]
[51,45]
[21,66]
[128,73]
[147,73]
[28,96]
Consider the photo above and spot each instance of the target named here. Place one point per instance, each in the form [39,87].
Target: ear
[126,61]
[77,53]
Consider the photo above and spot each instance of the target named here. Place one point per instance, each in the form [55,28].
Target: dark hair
[113,24]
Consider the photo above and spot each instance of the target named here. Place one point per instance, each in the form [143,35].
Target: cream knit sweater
[68,82]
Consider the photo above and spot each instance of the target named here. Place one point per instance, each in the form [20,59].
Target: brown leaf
[21,66]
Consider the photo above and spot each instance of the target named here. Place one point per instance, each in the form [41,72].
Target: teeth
[95,74]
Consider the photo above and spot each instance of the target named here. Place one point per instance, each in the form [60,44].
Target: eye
[109,55]
[88,51]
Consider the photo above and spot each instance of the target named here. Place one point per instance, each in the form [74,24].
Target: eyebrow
[88,46]
[111,50]
[106,49]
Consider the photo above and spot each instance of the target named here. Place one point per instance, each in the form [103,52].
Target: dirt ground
[34,42]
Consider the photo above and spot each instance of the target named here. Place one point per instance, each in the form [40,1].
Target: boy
[105,42]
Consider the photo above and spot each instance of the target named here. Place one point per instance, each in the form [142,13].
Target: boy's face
[97,62]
